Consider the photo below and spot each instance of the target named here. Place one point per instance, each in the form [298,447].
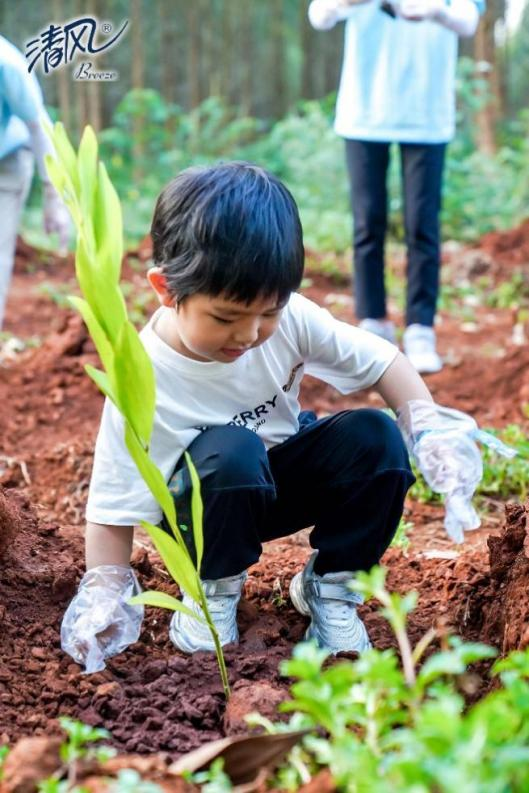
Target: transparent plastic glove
[56,217]
[99,623]
[443,443]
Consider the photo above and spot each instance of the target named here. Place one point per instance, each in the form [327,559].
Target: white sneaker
[419,347]
[222,595]
[331,605]
[380,327]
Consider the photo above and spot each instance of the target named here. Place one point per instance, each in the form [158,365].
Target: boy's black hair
[231,228]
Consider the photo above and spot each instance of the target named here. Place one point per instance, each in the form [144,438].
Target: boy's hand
[443,444]
[99,623]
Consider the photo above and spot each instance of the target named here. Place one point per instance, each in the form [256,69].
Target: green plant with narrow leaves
[127,379]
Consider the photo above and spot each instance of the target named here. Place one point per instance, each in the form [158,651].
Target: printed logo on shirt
[288,385]
[251,419]
[245,417]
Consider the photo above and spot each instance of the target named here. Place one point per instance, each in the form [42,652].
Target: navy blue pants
[422,173]
[346,475]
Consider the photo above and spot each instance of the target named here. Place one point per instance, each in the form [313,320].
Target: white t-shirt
[259,391]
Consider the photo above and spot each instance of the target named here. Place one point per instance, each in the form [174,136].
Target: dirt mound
[510,246]
[508,617]
[10,521]
[151,698]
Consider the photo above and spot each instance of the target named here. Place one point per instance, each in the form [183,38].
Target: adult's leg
[422,175]
[367,164]
[347,475]
[237,491]
[16,171]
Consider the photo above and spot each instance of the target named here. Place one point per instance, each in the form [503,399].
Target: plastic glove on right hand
[443,443]
[99,622]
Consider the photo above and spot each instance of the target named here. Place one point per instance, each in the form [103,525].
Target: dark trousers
[346,475]
[422,173]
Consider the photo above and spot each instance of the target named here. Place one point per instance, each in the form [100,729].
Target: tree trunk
[137,77]
[277,50]
[63,76]
[193,54]
[485,51]
[94,87]
[308,46]
[247,59]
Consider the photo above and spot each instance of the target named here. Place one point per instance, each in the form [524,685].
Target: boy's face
[209,328]
[217,329]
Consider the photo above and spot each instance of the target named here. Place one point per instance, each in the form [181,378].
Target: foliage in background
[482,193]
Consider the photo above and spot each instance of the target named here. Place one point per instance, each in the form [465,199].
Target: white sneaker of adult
[380,327]
[419,347]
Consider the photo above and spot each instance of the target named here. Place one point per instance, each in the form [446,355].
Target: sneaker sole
[296,596]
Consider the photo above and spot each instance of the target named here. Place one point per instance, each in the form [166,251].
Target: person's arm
[106,544]
[400,383]
[324,14]
[460,16]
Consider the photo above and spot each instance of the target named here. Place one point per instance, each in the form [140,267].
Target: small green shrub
[384,724]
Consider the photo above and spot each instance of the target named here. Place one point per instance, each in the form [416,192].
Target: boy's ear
[158,282]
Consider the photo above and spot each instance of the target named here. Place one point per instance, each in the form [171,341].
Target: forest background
[208,80]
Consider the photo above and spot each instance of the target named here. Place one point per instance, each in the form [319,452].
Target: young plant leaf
[96,332]
[163,601]
[102,381]
[197,510]
[108,226]
[105,299]
[135,384]
[176,559]
[152,476]
[87,169]
[66,154]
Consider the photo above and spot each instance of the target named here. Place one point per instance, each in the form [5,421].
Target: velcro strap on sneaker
[223,586]
[331,591]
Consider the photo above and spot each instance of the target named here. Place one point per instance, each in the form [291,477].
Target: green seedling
[129,781]
[4,751]
[127,378]
[213,780]
[77,746]
[382,725]
[401,539]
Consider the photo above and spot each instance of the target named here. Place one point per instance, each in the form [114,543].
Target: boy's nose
[247,335]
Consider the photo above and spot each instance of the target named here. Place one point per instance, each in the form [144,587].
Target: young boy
[230,344]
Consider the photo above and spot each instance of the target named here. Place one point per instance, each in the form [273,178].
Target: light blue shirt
[398,79]
[20,99]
